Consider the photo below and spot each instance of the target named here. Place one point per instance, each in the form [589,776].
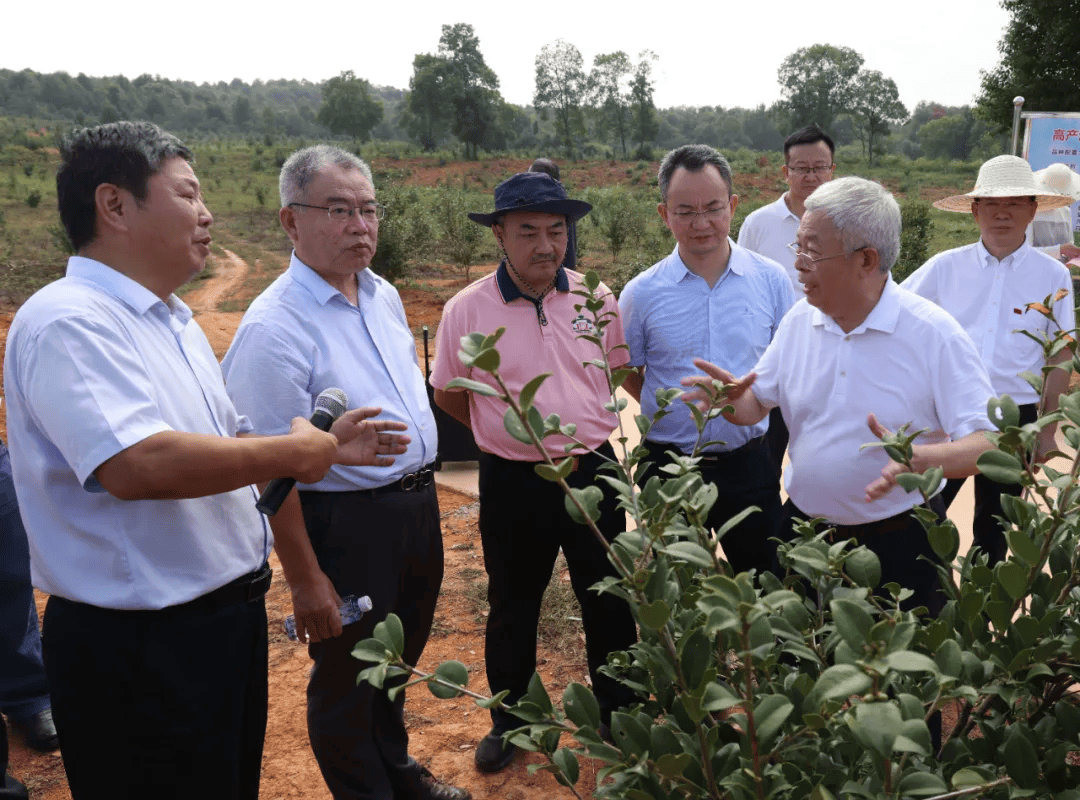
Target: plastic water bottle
[352,608]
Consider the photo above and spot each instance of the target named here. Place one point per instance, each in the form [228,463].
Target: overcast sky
[720,53]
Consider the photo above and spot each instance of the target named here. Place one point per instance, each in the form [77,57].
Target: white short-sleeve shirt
[95,364]
[989,299]
[908,363]
[768,231]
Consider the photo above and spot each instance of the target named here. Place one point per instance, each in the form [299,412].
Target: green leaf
[1003,412]
[945,540]
[864,567]
[672,766]
[567,763]
[580,706]
[390,633]
[1000,467]
[968,778]
[876,726]
[654,615]
[838,682]
[453,672]
[910,661]
[690,552]
[528,391]
[1020,543]
[515,427]
[486,360]
[949,660]
[852,622]
[370,650]
[917,784]
[769,717]
[473,386]
[554,474]
[537,694]
[1013,577]
[1021,760]
[590,498]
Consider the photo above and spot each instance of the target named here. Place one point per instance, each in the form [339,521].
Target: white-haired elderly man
[861,356]
[987,287]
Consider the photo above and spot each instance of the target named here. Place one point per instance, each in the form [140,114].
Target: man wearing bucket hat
[1051,231]
[988,287]
[523,521]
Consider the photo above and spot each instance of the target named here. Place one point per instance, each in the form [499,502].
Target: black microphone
[329,405]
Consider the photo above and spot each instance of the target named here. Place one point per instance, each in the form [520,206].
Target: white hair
[865,215]
[303,165]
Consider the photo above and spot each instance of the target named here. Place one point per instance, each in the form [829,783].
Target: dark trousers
[24,690]
[161,704]
[523,523]
[744,477]
[777,437]
[986,530]
[898,542]
[389,547]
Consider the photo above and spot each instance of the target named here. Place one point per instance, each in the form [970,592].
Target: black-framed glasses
[808,170]
[799,254]
[339,212]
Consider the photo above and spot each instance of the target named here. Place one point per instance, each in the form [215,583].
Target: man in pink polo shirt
[523,521]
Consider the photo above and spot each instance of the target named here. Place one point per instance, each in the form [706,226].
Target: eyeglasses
[1011,205]
[339,212]
[799,254]
[708,213]
[808,170]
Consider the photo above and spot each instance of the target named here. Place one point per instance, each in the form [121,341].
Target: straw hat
[1058,178]
[1004,176]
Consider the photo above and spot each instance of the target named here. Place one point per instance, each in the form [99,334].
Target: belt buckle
[259,585]
[424,478]
[409,482]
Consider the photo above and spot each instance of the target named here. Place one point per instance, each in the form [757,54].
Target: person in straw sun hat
[987,286]
[1052,231]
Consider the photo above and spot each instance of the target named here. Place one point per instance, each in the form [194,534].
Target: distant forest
[291,108]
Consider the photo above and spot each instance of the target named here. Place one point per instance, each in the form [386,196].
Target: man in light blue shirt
[134,475]
[708,295]
[328,320]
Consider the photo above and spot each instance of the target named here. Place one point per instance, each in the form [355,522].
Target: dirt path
[443,734]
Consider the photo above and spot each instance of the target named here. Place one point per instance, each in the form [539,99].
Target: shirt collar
[510,291]
[737,263]
[322,291]
[987,259]
[127,290]
[882,317]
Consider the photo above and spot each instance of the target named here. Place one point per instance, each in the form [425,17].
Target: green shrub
[405,234]
[33,198]
[915,233]
[816,685]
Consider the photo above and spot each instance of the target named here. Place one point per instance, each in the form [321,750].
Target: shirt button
[847,339]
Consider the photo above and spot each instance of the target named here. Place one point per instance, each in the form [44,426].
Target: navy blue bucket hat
[532,191]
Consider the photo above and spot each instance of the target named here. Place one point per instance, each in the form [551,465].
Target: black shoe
[432,788]
[11,789]
[39,731]
[492,754]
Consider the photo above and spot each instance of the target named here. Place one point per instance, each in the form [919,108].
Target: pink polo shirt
[576,393]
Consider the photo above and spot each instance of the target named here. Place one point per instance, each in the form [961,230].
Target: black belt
[413,482]
[245,589]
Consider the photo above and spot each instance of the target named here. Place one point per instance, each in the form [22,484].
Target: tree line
[453,101]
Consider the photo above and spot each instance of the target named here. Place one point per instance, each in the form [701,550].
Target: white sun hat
[1004,176]
[1060,179]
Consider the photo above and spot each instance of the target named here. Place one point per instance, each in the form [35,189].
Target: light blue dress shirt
[302,336]
[95,364]
[672,316]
